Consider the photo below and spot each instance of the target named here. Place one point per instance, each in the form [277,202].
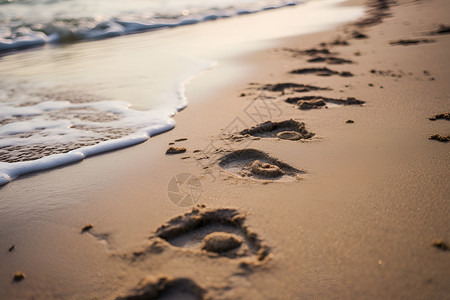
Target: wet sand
[365,215]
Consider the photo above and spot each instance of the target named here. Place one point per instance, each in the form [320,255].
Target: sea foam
[36,135]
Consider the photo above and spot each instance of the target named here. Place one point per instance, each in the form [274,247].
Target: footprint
[295,87]
[440,138]
[389,73]
[287,130]
[378,10]
[411,42]
[158,288]
[332,60]
[321,72]
[339,42]
[443,29]
[315,102]
[359,35]
[444,116]
[257,165]
[217,232]
[309,52]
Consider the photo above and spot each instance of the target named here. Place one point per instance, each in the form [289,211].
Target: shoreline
[359,224]
[133,107]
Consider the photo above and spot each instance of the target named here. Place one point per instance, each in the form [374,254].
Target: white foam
[23,39]
[60,132]
[52,124]
[136,26]
[104,30]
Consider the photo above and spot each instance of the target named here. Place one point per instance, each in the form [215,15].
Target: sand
[366,218]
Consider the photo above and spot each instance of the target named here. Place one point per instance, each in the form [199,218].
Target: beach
[341,194]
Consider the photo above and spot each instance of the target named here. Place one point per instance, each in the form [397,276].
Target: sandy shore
[348,201]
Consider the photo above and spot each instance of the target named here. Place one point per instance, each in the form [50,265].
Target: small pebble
[441,245]
[19,276]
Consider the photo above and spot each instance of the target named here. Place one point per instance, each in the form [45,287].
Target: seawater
[60,104]
[26,23]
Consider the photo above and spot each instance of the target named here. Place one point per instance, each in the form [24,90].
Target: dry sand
[368,218]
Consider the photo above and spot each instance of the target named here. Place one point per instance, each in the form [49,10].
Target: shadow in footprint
[164,288]
[440,138]
[359,35]
[315,102]
[441,245]
[255,164]
[295,87]
[444,116]
[442,29]
[339,42]
[218,232]
[331,60]
[411,42]
[320,72]
[287,130]
[313,51]
[377,11]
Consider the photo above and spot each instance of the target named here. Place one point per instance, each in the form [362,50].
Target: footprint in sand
[285,130]
[323,55]
[331,60]
[339,42]
[321,72]
[287,86]
[255,164]
[359,35]
[294,87]
[310,52]
[440,138]
[444,116]
[410,42]
[378,10]
[216,232]
[315,102]
[442,29]
[158,288]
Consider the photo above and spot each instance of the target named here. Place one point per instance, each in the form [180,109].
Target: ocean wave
[25,32]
